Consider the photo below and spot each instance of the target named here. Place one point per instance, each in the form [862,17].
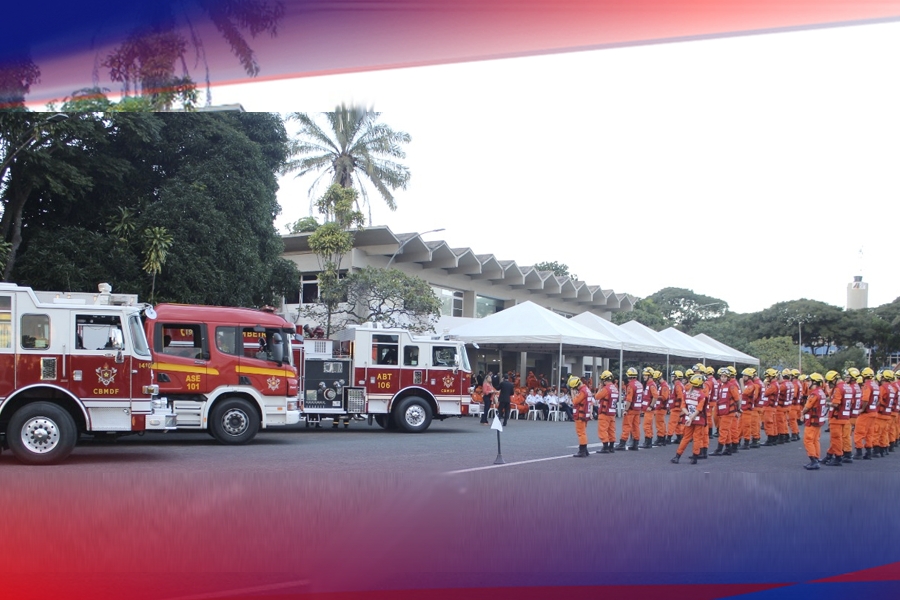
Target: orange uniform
[676,401]
[580,408]
[651,399]
[695,403]
[842,407]
[607,398]
[769,400]
[659,414]
[631,420]
[814,412]
[887,406]
[866,434]
[750,419]
[518,403]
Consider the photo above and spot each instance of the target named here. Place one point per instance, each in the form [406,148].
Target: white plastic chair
[553,415]
[476,408]
[534,413]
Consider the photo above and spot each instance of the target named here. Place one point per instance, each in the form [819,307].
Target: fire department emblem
[448,381]
[273,382]
[106,374]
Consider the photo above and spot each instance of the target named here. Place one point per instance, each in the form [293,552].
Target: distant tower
[857,294]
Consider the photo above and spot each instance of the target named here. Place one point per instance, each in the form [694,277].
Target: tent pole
[621,371]
[559,371]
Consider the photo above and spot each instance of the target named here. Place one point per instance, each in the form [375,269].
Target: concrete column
[468,304]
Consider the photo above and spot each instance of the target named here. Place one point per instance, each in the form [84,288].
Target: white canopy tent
[704,352]
[739,357]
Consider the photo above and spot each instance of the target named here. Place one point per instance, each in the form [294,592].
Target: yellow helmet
[678,374]
[723,371]
[606,375]
[710,371]
[854,372]
[771,373]
[631,372]
[786,373]
[860,380]
[573,382]
[749,372]
[696,381]
[877,377]
[867,372]
[731,370]
[689,373]
[699,367]
[888,375]
[816,379]
[832,376]
[803,377]
[647,371]
[795,372]
[657,374]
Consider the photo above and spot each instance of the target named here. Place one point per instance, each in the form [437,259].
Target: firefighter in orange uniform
[867,431]
[676,401]
[841,408]
[736,423]
[887,406]
[726,407]
[785,397]
[750,419]
[607,398]
[634,405]
[796,405]
[651,400]
[662,407]
[856,383]
[769,400]
[694,415]
[712,393]
[894,436]
[518,403]
[581,406]
[813,414]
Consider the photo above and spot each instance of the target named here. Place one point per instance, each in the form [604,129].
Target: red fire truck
[399,380]
[224,370]
[72,364]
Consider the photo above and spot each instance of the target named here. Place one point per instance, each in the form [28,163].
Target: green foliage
[208,179]
[842,359]
[558,269]
[781,352]
[352,150]
[645,312]
[684,308]
[303,225]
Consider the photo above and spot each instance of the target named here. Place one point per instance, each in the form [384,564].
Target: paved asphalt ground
[305,509]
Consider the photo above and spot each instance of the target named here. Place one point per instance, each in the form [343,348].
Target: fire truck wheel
[386,421]
[413,415]
[41,433]
[234,421]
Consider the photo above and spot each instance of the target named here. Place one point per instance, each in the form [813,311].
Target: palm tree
[157,241]
[354,149]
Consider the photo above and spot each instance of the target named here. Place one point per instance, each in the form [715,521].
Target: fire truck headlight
[293,405]
[151,390]
[159,403]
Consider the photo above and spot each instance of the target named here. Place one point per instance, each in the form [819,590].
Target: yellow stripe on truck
[263,371]
[183,368]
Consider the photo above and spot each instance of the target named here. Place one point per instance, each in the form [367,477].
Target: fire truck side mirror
[120,358]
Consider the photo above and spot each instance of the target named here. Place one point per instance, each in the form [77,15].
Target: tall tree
[685,308]
[157,242]
[557,268]
[645,312]
[353,149]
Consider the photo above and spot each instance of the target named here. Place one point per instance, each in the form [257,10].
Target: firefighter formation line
[859,407]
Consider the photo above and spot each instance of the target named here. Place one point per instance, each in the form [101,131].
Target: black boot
[835,461]
[876,453]
[694,458]
[754,443]
[829,458]
[770,441]
[813,464]
[718,451]
[734,448]
[646,445]
[633,446]
[728,448]
[868,454]
[892,446]
[604,449]
[703,453]
[848,458]
[676,459]
[795,437]
[678,438]
[582,451]
[746,445]
[859,453]
[612,447]
[621,445]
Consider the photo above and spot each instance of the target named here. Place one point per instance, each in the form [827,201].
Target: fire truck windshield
[141,348]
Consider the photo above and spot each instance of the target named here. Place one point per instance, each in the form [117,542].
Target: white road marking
[521,462]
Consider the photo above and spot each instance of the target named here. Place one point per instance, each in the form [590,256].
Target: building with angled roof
[468,284]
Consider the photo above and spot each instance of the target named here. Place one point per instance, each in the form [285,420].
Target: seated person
[541,403]
[518,402]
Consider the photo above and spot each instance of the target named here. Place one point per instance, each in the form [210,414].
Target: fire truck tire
[234,421]
[41,433]
[413,415]
[386,421]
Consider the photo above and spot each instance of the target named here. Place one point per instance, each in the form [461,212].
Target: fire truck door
[444,376]
[383,376]
[7,347]
[99,370]
[181,358]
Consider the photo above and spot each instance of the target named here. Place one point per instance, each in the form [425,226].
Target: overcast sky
[753,169]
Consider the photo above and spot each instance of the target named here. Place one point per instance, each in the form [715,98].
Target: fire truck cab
[72,363]
[396,379]
[225,370]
